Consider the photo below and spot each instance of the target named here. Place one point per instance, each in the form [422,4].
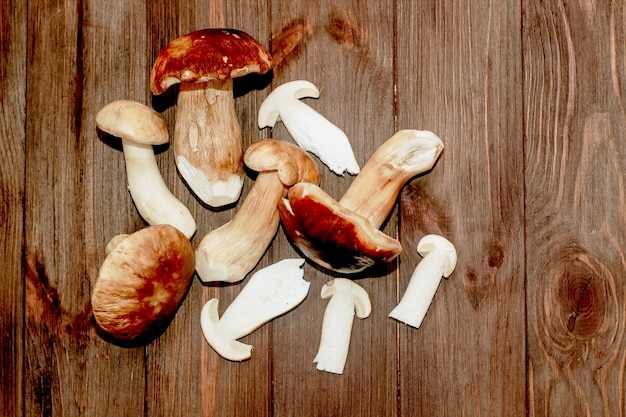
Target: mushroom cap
[441,245]
[133,121]
[292,163]
[142,282]
[331,235]
[208,54]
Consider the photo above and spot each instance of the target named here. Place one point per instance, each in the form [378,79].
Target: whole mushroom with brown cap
[142,282]
[344,236]
[140,127]
[207,134]
[231,251]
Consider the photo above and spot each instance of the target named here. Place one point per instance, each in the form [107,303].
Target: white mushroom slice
[347,298]
[270,292]
[139,127]
[439,261]
[309,129]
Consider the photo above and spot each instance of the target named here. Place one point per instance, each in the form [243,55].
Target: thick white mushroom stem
[270,292]
[207,141]
[374,192]
[347,299]
[229,252]
[154,201]
[439,261]
[309,129]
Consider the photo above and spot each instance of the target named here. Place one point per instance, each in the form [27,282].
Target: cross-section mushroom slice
[231,251]
[140,127]
[142,282]
[344,236]
[207,133]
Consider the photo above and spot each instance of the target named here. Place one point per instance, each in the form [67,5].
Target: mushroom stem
[439,261]
[154,201]
[207,141]
[374,192]
[229,252]
[270,292]
[347,298]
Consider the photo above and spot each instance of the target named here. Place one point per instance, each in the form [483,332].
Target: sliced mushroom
[439,261]
[347,298]
[207,133]
[142,282]
[270,292]
[139,127]
[344,236]
[231,251]
[309,129]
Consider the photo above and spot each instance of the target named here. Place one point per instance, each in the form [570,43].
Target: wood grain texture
[12,186]
[528,98]
[574,83]
[459,75]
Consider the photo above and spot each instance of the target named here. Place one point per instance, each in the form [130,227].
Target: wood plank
[12,182]
[185,376]
[71,211]
[459,73]
[347,52]
[574,90]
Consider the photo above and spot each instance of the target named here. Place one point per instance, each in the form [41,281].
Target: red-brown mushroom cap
[208,54]
[142,282]
[331,235]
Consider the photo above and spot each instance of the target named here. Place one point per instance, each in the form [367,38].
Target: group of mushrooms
[146,275]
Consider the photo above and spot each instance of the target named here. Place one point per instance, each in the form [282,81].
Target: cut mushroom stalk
[207,133]
[270,292]
[309,129]
[347,299]
[231,251]
[439,261]
[139,127]
[344,236]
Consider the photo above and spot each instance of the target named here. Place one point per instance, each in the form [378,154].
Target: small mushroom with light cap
[439,261]
[231,251]
[270,292]
[140,127]
[207,135]
[309,129]
[344,236]
[142,282]
[347,298]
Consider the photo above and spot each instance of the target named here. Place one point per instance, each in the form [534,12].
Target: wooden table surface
[528,98]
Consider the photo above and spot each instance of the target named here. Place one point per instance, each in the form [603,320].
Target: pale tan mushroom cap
[133,121]
[208,54]
[142,282]
[292,163]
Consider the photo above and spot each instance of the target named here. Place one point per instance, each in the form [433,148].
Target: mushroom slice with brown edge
[344,236]
[347,298]
[139,127]
[309,129]
[207,134]
[231,251]
[439,261]
[270,292]
[142,282]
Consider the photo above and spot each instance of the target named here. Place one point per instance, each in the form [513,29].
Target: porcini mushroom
[344,236]
[207,134]
[229,252]
[439,261]
[140,127]
[270,292]
[309,129]
[142,282]
[347,299]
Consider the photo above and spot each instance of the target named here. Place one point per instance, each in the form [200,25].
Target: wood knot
[288,43]
[582,299]
[341,28]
